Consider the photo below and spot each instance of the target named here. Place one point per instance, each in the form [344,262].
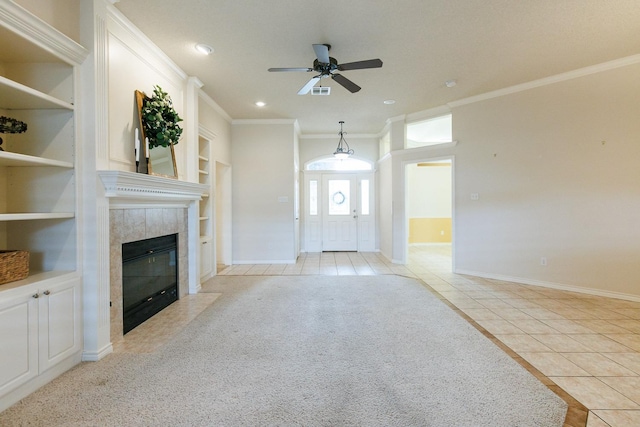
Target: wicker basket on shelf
[14,265]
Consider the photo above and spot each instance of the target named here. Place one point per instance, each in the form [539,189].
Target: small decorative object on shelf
[160,119]
[9,125]
[14,265]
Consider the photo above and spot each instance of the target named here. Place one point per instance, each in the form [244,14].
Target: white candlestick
[137,146]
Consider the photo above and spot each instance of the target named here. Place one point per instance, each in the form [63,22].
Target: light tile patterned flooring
[585,348]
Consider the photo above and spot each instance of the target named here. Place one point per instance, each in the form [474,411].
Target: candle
[137,146]
[146,149]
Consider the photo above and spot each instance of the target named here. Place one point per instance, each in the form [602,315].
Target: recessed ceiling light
[204,49]
[260,104]
[450,83]
[389,101]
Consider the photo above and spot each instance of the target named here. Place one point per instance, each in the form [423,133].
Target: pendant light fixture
[342,151]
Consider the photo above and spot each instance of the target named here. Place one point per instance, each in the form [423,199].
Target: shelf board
[38,277]
[204,218]
[15,159]
[203,172]
[35,216]
[15,96]
[203,158]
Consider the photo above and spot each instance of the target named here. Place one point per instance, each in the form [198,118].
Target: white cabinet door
[206,258]
[18,340]
[59,320]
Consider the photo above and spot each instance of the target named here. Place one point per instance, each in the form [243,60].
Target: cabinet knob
[46,292]
[36,295]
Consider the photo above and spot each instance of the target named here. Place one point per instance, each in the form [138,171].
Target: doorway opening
[429,212]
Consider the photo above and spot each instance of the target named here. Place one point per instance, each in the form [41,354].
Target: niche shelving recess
[205,139]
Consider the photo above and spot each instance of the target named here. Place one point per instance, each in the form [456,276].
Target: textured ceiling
[483,44]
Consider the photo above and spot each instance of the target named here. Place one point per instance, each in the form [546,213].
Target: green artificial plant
[160,119]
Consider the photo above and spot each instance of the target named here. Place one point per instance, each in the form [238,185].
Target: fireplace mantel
[123,187]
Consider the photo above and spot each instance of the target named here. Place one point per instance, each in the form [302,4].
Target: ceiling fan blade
[322,52]
[306,88]
[359,65]
[291,69]
[346,83]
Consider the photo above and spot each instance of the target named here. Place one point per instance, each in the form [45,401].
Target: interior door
[340,213]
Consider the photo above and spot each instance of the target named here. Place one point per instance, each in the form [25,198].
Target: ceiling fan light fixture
[204,49]
[343,150]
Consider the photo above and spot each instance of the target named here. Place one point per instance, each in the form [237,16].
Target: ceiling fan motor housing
[325,69]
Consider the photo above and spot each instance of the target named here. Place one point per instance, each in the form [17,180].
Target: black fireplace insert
[149,278]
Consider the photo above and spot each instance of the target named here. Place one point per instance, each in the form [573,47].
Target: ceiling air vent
[321,90]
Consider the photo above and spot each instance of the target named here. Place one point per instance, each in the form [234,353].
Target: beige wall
[429,230]
[50,12]
[312,147]
[429,202]
[263,192]
[557,173]
[133,66]
[213,119]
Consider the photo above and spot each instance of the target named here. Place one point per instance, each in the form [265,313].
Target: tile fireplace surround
[130,225]
[143,207]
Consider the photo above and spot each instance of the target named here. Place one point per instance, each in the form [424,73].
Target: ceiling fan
[326,65]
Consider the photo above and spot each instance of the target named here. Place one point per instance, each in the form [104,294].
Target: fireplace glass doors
[149,278]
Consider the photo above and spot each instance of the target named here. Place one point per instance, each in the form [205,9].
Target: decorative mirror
[159,131]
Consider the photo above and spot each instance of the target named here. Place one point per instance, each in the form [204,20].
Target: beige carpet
[305,351]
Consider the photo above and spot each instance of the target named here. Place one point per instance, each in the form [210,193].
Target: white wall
[385,206]
[214,119]
[557,171]
[430,191]
[263,169]
[314,146]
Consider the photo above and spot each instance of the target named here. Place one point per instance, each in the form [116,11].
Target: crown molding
[213,104]
[334,135]
[132,36]
[594,69]
[22,22]
[264,122]
[428,114]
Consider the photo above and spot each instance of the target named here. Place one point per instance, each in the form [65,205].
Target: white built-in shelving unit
[40,316]
[205,139]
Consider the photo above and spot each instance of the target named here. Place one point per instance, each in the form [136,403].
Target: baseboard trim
[94,356]
[264,261]
[551,285]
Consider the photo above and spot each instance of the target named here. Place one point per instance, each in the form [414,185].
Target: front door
[340,213]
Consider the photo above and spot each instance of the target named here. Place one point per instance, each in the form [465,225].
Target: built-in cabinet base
[41,332]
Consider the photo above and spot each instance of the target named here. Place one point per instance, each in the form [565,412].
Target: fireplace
[149,278]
